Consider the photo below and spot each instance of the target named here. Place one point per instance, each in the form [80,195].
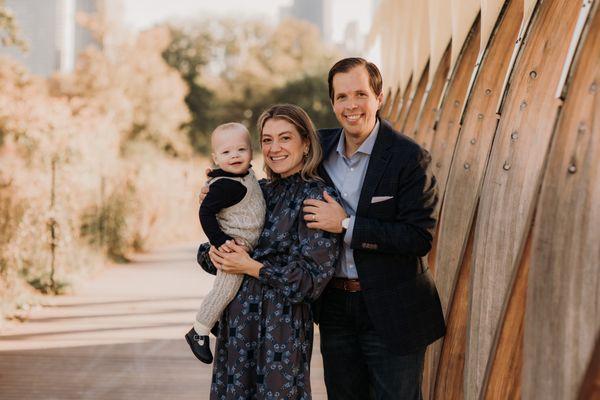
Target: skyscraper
[52,33]
[318,12]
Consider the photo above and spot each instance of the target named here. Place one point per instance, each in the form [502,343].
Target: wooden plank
[420,42]
[396,105]
[415,104]
[490,11]
[427,114]
[513,178]
[503,379]
[463,14]
[563,303]
[445,138]
[440,33]
[462,193]
[400,115]
[472,153]
[590,388]
[406,40]
[450,371]
[528,7]
[586,6]
[448,127]
[387,105]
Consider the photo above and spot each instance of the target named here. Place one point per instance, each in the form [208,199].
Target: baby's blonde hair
[230,126]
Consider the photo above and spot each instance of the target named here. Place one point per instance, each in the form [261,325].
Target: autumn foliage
[93,164]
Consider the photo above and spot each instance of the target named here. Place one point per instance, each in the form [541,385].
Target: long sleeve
[309,265]
[411,231]
[222,194]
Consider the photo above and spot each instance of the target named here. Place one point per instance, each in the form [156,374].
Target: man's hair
[346,64]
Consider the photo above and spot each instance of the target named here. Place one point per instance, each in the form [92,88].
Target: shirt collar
[366,147]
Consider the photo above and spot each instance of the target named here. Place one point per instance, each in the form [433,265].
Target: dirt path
[119,337]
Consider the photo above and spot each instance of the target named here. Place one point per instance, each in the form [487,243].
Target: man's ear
[380,100]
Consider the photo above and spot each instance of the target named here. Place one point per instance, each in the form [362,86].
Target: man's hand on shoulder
[325,215]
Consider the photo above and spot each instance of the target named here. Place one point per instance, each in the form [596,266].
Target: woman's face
[282,147]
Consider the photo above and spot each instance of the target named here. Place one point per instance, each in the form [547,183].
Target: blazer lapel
[329,143]
[380,156]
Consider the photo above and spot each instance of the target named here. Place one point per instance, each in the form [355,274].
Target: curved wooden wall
[516,257]
[566,246]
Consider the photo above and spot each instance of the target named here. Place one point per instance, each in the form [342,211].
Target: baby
[233,209]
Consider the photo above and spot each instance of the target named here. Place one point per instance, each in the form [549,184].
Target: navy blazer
[392,237]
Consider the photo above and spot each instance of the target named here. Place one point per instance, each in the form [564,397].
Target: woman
[264,341]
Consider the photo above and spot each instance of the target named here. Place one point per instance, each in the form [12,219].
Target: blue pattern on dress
[264,344]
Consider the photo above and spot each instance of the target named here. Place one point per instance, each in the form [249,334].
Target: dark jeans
[357,364]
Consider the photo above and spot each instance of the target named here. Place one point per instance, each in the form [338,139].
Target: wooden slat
[401,111]
[427,114]
[450,371]
[563,304]
[387,104]
[503,379]
[440,33]
[472,153]
[420,42]
[396,105]
[415,104]
[512,179]
[448,127]
[462,193]
[463,13]
[490,10]
[590,388]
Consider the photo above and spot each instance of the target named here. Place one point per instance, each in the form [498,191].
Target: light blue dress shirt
[348,174]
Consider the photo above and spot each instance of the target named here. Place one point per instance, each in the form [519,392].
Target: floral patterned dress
[264,341]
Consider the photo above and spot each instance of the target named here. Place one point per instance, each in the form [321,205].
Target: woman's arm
[234,260]
[310,264]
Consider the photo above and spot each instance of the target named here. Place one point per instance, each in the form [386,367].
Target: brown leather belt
[348,285]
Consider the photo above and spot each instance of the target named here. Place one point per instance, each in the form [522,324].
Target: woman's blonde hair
[299,118]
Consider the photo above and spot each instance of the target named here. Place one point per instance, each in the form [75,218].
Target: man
[381,309]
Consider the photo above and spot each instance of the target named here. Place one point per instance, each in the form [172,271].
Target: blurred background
[105,110]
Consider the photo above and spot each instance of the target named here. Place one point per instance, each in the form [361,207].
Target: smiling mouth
[277,158]
[353,117]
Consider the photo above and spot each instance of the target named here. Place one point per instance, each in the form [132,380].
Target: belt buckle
[348,286]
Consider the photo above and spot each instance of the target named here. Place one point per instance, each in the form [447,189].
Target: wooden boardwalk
[119,337]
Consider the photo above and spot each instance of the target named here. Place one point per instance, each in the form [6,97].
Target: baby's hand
[243,243]
[224,248]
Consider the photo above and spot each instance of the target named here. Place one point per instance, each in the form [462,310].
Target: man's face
[354,103]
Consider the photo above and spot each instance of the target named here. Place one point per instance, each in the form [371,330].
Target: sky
[140,14]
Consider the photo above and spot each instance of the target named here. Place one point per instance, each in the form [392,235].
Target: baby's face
[232,151]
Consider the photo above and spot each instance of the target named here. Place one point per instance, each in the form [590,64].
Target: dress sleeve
[311,262]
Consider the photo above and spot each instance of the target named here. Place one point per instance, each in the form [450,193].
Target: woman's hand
[236,261]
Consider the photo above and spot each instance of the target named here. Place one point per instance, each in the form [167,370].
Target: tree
[9,29]
[189,52]
[236,68]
